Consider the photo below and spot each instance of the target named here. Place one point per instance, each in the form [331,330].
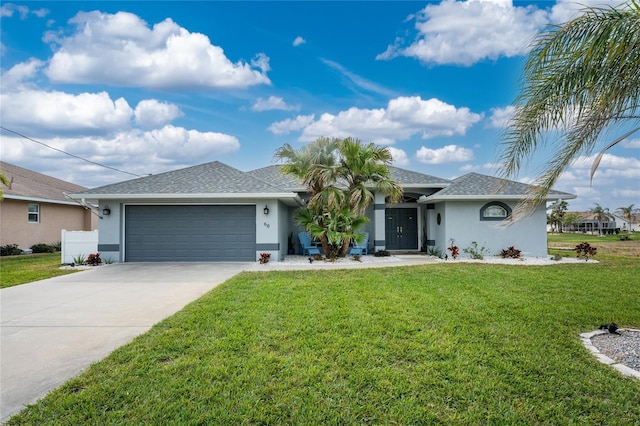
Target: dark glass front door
[401,229]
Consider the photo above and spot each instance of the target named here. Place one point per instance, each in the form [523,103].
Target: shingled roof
[274,175]
[29,185]
[407,178]
[413,179]
[478,186]
[204,179]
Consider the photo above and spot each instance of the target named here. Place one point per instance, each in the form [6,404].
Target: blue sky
[147,87]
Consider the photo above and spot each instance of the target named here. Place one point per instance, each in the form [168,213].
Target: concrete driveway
[51,330]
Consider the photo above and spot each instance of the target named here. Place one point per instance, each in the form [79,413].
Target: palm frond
[580,79]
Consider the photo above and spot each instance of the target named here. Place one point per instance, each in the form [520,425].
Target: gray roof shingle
[477,185]
[29,184]
[411,178]
[403,176]
[209,178]
[274,175]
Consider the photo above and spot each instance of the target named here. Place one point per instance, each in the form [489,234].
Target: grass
[606,244]
[448,343]
[23,269]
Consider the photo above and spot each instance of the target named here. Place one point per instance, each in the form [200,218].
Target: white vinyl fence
[78,243]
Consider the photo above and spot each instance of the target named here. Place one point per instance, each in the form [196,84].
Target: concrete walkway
[53,329]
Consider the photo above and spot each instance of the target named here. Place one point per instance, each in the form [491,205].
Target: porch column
[379,220]
[431,225]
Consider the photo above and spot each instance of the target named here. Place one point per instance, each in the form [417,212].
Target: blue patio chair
[308,247]
[363,247]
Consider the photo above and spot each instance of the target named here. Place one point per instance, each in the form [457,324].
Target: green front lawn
[16,270]
[448,343]
[578,237]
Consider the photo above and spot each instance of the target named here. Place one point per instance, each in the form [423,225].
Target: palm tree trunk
[344,249]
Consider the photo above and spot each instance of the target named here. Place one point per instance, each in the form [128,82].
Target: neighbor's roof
[210,180]
[474,186]
[33,186]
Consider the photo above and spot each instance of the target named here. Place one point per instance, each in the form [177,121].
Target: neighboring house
[214,212]
[631,223]
[35,209]
[588,222]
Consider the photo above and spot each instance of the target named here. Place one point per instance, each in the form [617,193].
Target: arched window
[495,210]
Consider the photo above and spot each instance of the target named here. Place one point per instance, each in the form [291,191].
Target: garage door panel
[190,233]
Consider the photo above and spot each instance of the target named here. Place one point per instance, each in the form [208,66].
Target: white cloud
[630,143]
[7,10]
[565,10]
[446,154]
[399,156]
[151,113]
[273,102]
[40,13]
[500,117]
[401,119]
[287,126]
[486,167]
[359,81]
[463,33]
[614,184]
[13,79]
[298,41]
[627,193]
[122,50]
[83,114]
[134,150]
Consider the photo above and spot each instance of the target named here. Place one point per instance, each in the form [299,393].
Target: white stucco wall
[111,234]
[461,221]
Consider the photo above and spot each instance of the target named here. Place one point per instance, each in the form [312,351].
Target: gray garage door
[190,233]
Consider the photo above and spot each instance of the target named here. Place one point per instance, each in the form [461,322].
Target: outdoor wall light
[106,211]
[266,210]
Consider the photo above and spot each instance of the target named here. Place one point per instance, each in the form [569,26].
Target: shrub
[475,252]
[57,246]
[511,252]
[382,253]
[264,257]
[455,251]
[42,248]
[10,250]
[93,259]
[585,250]
[79,259]
[432,251]
[624,237]
[557,257]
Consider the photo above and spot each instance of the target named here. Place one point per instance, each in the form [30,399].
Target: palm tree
[5,182]
[363,165]
[629,213]
[303,164]
[580,79]
[339,174]
[600,214]
[558,211]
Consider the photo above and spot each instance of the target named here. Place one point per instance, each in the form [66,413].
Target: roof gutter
[197,196]
[435,197]
[39,200]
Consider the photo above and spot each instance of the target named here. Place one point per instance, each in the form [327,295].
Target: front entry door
[401,229]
